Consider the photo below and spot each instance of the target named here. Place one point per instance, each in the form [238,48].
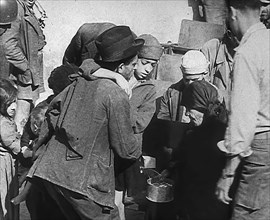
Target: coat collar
[254,28]
[31,18]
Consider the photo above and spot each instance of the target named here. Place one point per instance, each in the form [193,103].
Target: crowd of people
[80,153]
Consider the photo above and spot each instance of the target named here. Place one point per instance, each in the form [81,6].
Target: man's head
[229,39]
[148,56]
[242,15]
[194,66]
[118,50]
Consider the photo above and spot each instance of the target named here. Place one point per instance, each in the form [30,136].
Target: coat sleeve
[142,115]
[9,136]
[121,134]
[164,112]
[210,50]
[25,139]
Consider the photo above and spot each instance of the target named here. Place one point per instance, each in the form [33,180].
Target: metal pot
[159,189]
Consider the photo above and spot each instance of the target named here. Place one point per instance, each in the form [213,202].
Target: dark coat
[23,43]
[93,125]
[200,164]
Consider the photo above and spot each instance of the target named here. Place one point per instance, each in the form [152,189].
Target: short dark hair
[244,4]
[8,94]
[59,78]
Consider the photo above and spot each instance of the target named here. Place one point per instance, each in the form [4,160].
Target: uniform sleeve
[10,138]
[122,138]
[245,104]
[142,116]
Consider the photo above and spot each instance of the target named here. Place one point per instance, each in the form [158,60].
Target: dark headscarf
[198,95]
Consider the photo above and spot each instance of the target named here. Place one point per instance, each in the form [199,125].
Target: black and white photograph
[134,109]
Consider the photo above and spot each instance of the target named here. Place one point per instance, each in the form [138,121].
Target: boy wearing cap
[194,66]
[92,125]
[143,107]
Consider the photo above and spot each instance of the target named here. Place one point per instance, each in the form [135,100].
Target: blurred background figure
[220,53]
[211,11]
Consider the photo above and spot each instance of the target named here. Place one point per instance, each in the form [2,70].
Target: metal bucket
[159,189]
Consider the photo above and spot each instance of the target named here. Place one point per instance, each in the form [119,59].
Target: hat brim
[129,52]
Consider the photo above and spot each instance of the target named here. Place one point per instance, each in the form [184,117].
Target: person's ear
[121,68]
[233,13]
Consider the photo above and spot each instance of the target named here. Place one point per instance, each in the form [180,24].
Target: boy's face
[11,109]
[144,68]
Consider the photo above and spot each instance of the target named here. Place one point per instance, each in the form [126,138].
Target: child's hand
[26,152]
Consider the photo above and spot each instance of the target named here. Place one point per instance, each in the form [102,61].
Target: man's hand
[222,190]
[26,152]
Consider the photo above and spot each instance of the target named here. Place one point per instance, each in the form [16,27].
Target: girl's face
[11,109]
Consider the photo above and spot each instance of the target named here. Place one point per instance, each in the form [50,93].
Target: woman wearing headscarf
[197,161]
